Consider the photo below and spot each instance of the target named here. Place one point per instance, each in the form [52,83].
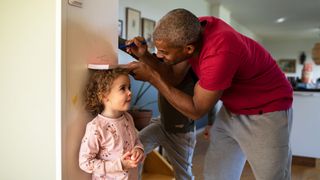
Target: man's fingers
[132,73]
[132,65]
[129,41]
[138,40]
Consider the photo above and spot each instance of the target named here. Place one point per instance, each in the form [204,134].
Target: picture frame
[120,28]
[147,27]
[133,23]
[287,65]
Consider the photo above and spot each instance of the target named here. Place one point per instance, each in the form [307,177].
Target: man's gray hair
[178,27]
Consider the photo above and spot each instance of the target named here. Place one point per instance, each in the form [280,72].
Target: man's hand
[140,49]
[140,71]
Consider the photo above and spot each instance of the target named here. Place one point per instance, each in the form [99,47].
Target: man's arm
[173,74]
[193,107]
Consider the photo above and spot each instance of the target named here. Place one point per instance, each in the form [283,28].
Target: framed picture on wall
[133,23]
[287,65]
[120,28]
[147,30]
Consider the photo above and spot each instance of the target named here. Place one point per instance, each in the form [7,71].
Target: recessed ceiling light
[280,20]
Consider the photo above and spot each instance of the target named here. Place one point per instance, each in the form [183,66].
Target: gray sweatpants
[178,147]
[263,140]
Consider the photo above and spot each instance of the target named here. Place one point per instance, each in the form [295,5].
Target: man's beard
[177,61]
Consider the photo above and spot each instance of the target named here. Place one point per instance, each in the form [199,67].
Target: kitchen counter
[305,90]
[305,133]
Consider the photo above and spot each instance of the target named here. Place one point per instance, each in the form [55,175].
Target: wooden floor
[299,172]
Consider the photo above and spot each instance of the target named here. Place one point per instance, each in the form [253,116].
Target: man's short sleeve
[217,71]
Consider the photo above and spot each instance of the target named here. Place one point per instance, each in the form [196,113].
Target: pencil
[123,46]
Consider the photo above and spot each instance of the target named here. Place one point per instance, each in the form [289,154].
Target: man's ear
[189,49]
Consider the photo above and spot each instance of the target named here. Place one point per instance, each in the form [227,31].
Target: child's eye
[125,88]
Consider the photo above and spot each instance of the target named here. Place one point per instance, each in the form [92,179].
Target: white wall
[220,11]
[155,9]
[28,90]
[89,36]
[245,31]
[291,49]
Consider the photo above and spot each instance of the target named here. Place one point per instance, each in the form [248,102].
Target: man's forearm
[172,74]
[151,60]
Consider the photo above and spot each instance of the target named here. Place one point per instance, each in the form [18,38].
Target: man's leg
[224,158]
[150,137]
[265,141]
[179,149]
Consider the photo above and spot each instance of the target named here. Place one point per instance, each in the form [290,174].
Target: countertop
[306,90]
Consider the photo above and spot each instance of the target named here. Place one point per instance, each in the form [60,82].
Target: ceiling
[302,17]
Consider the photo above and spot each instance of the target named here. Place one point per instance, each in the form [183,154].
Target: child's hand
[137,155]
[126,161]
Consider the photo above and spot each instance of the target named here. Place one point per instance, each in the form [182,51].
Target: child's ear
[102,97]
[105,97]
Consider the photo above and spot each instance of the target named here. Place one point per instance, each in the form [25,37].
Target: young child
[110,148]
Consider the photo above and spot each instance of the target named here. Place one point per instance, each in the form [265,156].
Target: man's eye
[164,53]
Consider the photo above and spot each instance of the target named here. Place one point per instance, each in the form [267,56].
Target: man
[255,120]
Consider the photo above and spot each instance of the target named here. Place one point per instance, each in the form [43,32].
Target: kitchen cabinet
[305,136]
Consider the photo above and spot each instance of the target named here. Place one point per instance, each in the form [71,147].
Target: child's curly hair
[99,83]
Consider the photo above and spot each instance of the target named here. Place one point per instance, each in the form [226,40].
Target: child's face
[119,97]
